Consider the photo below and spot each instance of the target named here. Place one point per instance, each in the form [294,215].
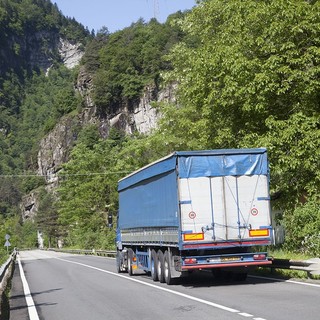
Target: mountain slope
[34,37]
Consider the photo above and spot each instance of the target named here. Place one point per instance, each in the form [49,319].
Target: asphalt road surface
[73,287]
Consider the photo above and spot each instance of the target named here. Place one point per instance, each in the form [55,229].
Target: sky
[118,14]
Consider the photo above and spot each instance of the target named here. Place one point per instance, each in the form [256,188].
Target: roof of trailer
[169,163]
[220,152]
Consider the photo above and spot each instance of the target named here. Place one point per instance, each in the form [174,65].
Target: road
[65,286]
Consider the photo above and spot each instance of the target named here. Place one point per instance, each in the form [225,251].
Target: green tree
[129,60]
[30,101]
[47,218]
[254,59]
[251,80]
[86,194]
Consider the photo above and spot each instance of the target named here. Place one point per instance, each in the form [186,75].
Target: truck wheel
[118,262]
[240,276]
[160,266]
[217,273]
[167,271]
[130,258]
[153,267]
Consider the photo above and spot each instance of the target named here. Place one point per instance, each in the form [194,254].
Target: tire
[118,262]
[217,273]
[166,268]
[160,266]
[153,267]
[227,275]
[130,257]
[240,276]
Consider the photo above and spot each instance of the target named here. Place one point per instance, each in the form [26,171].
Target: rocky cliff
[70,53]
[55,147]
[39,50]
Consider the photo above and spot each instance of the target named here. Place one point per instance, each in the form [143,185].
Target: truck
[196,210]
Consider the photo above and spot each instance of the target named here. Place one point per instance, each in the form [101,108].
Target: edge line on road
[33,314]
[288,281]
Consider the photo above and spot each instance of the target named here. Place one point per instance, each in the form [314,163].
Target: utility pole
[156,10]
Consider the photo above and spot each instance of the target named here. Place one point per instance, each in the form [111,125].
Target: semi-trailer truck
[196,210]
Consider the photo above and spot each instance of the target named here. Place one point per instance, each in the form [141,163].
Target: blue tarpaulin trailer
[195,210]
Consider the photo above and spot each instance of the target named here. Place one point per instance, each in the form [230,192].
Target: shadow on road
[12,297]
[206,278]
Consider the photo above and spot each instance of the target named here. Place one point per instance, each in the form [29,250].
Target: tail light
[259,257]
[190,260]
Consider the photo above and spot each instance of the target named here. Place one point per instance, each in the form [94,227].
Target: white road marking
[33,315]
[288,281]
[209,303]
[248,315]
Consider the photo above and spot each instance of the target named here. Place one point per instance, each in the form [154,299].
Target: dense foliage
[250,79]
[27,26]
[128,60]
[248,75]
[88,191]
[31,102]
[254,81]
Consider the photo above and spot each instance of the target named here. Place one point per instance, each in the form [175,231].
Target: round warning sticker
[254,211]
[192,215]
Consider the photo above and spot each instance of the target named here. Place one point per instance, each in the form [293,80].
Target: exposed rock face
[37,56]
[84,86]
[146,116]
[29,205]
[143,117]
[39,50]
[71,54]
[55,147]
[36,50]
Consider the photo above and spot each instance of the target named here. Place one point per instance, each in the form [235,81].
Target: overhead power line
[62,174]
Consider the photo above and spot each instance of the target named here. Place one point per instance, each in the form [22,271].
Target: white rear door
[224,208]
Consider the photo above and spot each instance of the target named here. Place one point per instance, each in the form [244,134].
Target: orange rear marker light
[193,236]
[259,233]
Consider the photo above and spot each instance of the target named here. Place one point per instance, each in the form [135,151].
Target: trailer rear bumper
[235,260]
[226,244]
[225,265]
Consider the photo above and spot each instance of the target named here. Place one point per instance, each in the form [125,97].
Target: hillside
[48,105]
[35,38]
[236,76]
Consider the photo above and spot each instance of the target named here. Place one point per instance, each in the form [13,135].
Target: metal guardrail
[105,253]
[5,270]
[311,266]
